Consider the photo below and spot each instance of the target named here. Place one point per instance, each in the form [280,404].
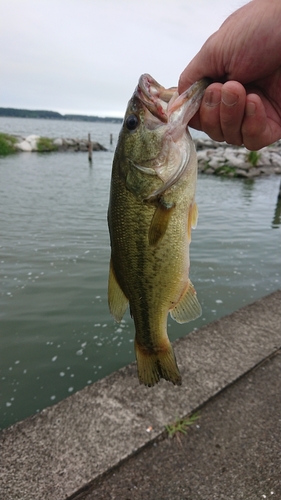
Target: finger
[257,129]
[207,117]
[206,63]
[210,112]
[191,74]
[197,68]
[232,109]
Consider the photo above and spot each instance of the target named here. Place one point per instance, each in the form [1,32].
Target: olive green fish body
[150,218]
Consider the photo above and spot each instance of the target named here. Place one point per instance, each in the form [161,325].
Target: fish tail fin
[152,366]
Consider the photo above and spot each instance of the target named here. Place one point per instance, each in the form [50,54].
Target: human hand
[243,106]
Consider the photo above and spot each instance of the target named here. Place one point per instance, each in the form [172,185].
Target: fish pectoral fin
[159,223]
[117,300]
[192,219]
[188,308]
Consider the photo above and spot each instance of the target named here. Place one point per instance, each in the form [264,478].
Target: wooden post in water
[111,139]
[90,148]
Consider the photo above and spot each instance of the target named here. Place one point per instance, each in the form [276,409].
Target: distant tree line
[26,113]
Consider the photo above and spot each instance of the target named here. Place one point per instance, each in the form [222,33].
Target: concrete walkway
[63,452]
[232,452]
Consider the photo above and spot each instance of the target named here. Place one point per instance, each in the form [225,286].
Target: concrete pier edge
[59,452]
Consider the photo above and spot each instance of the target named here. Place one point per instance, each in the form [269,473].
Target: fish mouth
[166,104]
[186,104]
[166,107]
[175,111]
[154,96]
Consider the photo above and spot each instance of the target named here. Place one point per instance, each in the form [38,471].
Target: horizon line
[98,114]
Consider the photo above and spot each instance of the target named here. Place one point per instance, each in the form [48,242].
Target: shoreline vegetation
[214,158]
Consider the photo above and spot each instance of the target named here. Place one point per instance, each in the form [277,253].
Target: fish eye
[132,122]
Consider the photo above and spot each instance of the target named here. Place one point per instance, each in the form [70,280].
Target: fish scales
[151,211]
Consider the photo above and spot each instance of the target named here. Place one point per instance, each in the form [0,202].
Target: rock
[202,157]
[23,146]
[83,146]
[206,143]
[216,162]
[245,166]
[69,142]
[275,159]
[58,142]
[32,138]
[253,172]
[98,147]
[233,159]
[264,157]
[208,170]
[242,173]
[267,170]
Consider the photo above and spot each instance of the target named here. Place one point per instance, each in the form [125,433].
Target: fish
[151,212]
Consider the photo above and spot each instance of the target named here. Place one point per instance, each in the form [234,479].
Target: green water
[56,334]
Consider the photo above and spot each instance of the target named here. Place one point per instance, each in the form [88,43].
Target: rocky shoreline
[36,143]
[217,158]
[214,158]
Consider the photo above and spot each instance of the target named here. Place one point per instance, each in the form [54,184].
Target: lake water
[56,333]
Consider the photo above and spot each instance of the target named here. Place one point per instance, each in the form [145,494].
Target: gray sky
[85,56]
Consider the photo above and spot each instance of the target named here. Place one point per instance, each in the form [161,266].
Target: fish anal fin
[188,308]
[117,300]
[152,366]
[159,223]
[192,219]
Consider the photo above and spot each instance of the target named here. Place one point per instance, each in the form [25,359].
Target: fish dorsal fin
[188,308]
[117,300]
[160,221]
[192,219]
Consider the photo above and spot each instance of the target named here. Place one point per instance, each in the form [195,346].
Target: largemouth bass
[151,212]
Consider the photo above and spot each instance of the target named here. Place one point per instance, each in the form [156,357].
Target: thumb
[193,72]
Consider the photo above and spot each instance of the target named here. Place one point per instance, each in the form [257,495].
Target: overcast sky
[85,56]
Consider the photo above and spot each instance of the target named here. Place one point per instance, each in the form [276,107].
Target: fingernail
[229,99]
[250,109]
[212,97]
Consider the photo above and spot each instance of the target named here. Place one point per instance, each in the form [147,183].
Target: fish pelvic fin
[188,308]
[152,366]
[117,300]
